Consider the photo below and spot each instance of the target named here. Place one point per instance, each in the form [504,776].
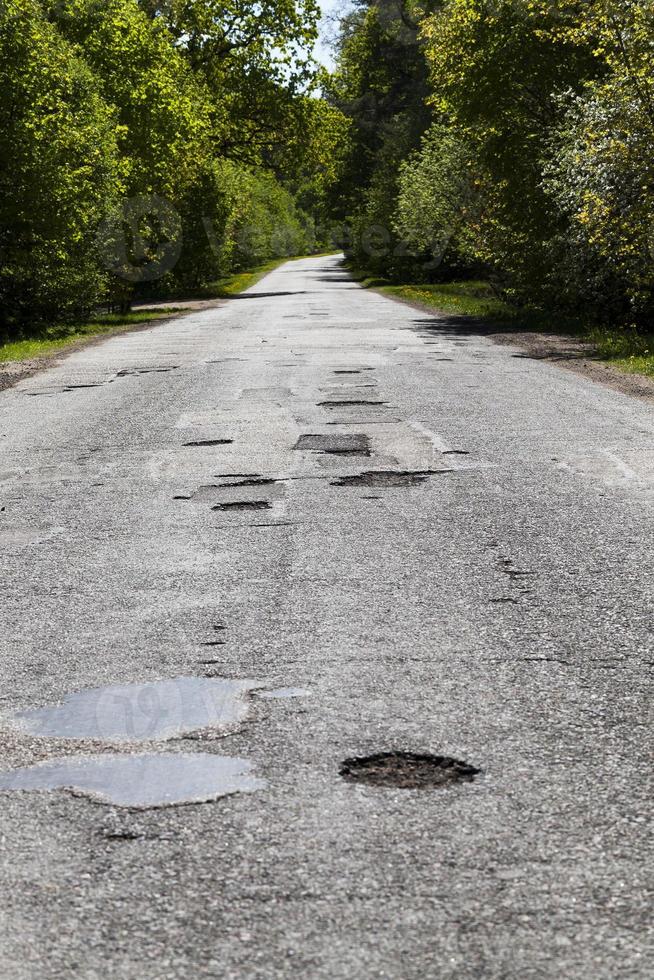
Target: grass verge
[51,339]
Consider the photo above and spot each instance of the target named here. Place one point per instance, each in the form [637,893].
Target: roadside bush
[59,172]
[438,202]
[601,177]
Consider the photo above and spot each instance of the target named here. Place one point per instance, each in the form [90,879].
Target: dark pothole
[347,444]
[387,478]
[340,402]
[406,770]
[243,505]
[134,372]
[251,481]
[210,442]
[505,565]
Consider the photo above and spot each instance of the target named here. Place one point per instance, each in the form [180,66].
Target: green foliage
[58,171]
[161,108]
[495,72]
[253,60]
[148,148]
[438,201]
[537,166]
[380,85]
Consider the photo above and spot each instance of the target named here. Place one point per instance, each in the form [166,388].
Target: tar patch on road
[348,444]
[406,770]
[244,505]
[210,442]
[344,402]
[387,478]
[251,481]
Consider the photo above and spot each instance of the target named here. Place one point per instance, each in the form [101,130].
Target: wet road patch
[142,712]
[347,444]
[406,770]
[142,780]
[387,478]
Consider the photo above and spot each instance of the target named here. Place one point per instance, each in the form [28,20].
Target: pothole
[133,372]
[337,444]
[90,384]
[233,476]
[387,478]
[406,770]
[243,505]
[210,442]
[142,781]
[340,403]
[251,481]
[505,565]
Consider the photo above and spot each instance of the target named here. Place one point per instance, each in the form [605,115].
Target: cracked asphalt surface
[489,598]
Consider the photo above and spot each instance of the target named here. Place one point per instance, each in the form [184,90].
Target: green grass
[51,339]
[473,298]
[626,350]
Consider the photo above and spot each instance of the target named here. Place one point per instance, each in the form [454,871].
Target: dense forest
[152,147]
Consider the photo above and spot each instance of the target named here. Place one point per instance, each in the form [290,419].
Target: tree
[381,85]
[253,58]
[59,172]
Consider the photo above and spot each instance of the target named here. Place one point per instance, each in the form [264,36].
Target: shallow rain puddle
[144,780]
[139,712]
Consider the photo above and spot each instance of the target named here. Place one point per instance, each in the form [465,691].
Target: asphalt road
[494,605]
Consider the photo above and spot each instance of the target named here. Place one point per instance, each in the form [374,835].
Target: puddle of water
[144,780]
[284,692]
[140,712]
